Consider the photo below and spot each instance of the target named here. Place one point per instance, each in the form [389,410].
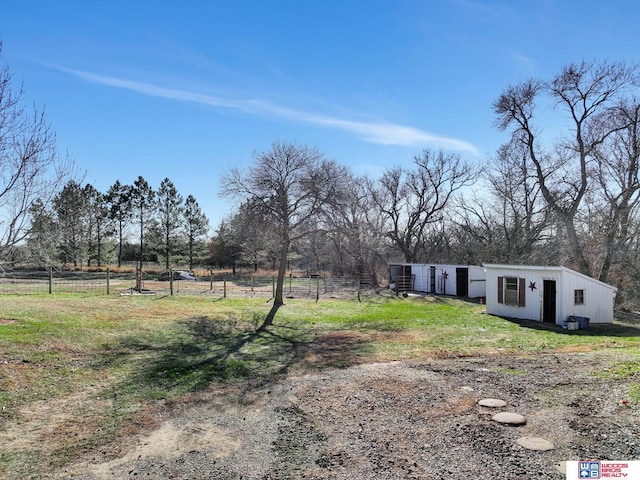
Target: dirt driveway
[400,420]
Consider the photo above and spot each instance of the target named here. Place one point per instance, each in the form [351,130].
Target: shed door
[462,282]
[405,281]
[549,301]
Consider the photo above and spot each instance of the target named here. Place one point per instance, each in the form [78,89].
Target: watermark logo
[603,469]
[589,469]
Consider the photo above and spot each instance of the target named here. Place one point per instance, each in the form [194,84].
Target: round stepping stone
[492,403]
[509,418]
[535,443]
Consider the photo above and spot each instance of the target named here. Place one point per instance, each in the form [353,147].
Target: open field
[83,378]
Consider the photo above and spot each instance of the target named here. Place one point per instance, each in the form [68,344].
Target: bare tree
[223,249]
[412,200]
[290,185]
[617,176]
[252,235]
[356,231]
[585,94]
[30,167]
[507,219]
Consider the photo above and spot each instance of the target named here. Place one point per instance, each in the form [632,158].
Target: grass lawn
[77,372]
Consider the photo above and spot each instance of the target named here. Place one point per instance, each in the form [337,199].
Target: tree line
[563,189]
[83,226]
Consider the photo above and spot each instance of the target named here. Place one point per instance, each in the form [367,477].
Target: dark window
[578,297]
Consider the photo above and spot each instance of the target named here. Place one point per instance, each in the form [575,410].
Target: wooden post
[317,289]
[224,288]
[211,280]
[273,287]
[171,281]
[50,280]
[108,274]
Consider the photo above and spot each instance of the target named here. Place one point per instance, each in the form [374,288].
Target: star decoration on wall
[532,286]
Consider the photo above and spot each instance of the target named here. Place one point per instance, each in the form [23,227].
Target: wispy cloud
[371,131]
[526,63]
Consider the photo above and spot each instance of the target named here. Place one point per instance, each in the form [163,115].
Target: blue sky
[188,89]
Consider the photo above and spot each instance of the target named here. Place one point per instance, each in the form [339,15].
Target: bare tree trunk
[575,247]
[278,300]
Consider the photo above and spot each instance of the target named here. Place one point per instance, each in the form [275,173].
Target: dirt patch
[399,420]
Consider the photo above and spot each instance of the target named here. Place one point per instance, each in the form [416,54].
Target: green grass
[109,361]
[634,392]
[623,369]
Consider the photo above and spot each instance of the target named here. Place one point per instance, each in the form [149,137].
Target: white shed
[547,294]
[459,280]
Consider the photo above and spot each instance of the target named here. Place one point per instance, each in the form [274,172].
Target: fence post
[358,280]
[108,274]
[224,287]
[171,281]
[50,280]
[317,289]
[252,283]
[139,279]
[211,280]
[273,287]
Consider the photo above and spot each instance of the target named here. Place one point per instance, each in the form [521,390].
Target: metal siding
[422,273]
[599,297]
[533,298]
[450,282]
[477,282]
[422,277]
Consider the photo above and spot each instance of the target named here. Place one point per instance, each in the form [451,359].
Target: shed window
[578,297]
[511,291]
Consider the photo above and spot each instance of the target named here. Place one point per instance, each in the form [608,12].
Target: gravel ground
[400,420]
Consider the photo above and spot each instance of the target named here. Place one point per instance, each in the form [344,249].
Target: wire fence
[41,282]
[221,286]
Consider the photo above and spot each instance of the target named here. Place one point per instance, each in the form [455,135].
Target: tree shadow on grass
[198,353]
[620,328]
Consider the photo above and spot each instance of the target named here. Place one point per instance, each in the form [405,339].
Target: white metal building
[459,280]
[547,294]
